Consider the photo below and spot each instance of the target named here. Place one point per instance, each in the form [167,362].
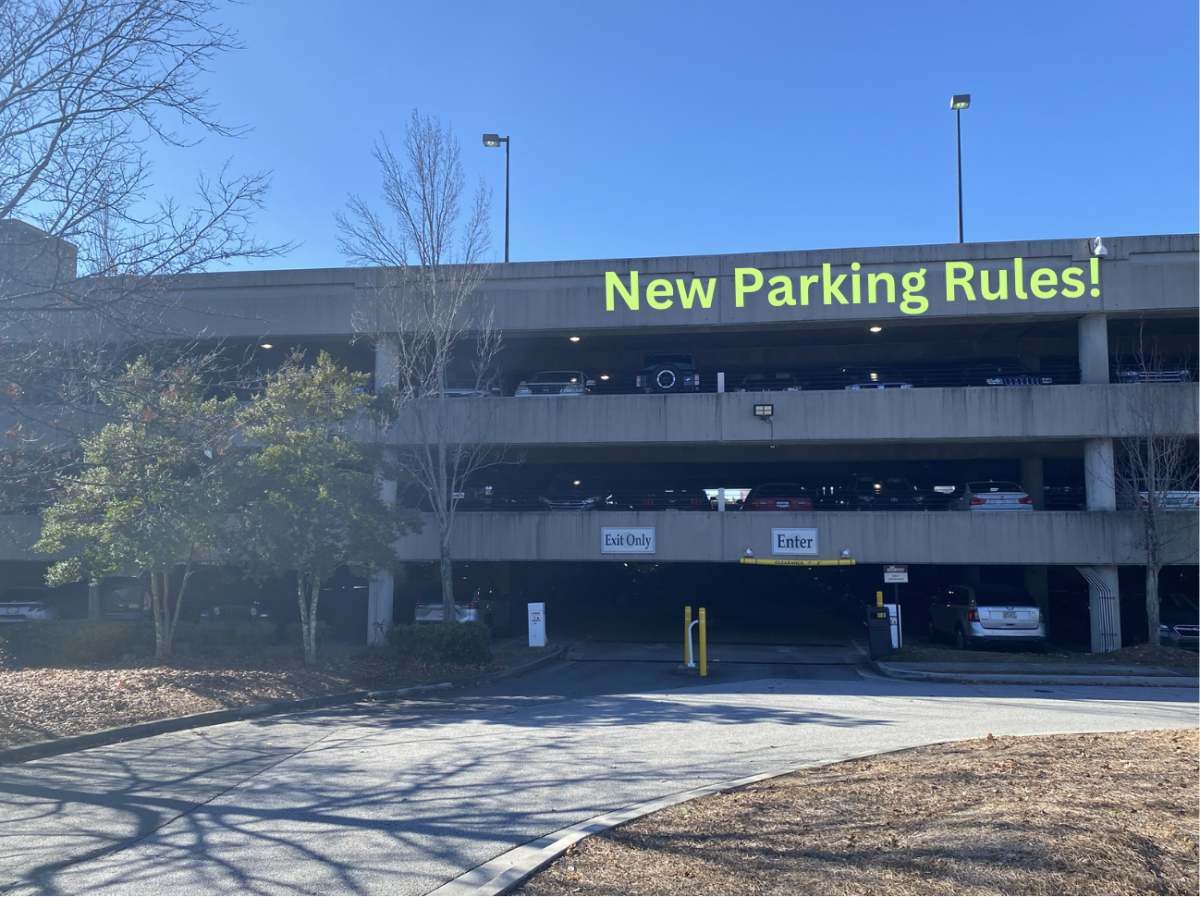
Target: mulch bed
[37,704]
[1135,655]
[1062,814]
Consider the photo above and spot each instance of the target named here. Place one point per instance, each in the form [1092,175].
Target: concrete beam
[840,416]
[1039,537]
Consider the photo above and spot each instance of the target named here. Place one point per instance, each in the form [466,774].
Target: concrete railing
[907,415]
[1037,537]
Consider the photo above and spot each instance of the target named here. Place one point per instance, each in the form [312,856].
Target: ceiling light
[574,339]
[877,329]
[604,376]
[265,346]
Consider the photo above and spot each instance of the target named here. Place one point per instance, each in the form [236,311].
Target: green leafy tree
[150,495]
[310,489]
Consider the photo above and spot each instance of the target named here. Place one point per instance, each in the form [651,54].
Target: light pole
[496,140]
[958,103]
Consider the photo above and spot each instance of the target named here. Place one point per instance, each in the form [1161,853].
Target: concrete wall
[1140,274]
[910,415]
[1039,537]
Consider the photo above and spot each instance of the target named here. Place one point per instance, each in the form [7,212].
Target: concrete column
[1093,349]
[380,594]
[387,361]
[1098,475]
[93,600]
[1037,584]
[1104,603]
[1033,481]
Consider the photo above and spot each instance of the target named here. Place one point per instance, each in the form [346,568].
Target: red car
[778,497]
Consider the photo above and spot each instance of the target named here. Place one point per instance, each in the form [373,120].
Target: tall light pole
[496,140]
[958,103]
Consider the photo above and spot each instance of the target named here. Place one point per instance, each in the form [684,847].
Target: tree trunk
[308,613]
[446,566]
[158,605]
[1152,618]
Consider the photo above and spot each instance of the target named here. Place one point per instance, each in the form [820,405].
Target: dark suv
[668,373]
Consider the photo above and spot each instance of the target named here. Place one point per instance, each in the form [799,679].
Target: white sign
[896,573]
[627,540]
[537,625]
[793,541]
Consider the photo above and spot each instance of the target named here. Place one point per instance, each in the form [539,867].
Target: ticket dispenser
[537,625]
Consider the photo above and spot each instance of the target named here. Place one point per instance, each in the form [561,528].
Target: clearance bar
[790,563]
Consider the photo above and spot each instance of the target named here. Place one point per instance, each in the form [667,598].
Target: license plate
[782,504]
[11,610]
[1010,615]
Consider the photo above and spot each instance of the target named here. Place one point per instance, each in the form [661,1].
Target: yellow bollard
[879,604]
[703,644]
[687,635]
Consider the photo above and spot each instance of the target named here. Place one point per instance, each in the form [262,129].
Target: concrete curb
[1033,679]
[510,870]
[73,743]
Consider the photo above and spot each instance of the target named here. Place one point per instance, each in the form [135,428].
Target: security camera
[1099,249]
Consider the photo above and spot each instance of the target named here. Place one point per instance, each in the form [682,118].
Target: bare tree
[426,320]
[1156,467]
[84,84]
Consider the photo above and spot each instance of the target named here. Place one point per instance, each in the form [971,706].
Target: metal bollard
[703,643]
[687,636]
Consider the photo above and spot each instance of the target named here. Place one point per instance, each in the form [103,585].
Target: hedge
[469,644]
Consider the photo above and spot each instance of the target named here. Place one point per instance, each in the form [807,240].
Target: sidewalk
[1040,673]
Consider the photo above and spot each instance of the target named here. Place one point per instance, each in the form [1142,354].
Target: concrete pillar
[1104,604]
[1033,481]
[1037,584]
[387,361]
[1093,349]
[1098,475]
[93,600]
[380,594]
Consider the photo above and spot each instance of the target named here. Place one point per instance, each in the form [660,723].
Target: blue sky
[683,128]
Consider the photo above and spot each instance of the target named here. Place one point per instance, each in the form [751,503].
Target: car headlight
[523,390]
[1163,627]
[591,502]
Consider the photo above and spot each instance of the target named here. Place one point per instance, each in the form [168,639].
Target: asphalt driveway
[400,798]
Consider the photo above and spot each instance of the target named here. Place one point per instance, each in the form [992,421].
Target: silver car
[970,616]
[482,608]
[992,495]
[26,606]
[556,383]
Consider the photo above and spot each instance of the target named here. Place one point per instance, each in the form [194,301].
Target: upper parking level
[945,282]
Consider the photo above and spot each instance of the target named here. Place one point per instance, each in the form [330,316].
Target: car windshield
[982,488]
[556,377]
[1002,596]
[779,490]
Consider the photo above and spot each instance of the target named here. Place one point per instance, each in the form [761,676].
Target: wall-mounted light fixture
[764,412]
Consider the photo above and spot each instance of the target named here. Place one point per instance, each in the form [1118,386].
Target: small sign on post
[896,573]
[537,625]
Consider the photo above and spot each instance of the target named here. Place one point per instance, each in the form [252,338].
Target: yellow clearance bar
[773,562]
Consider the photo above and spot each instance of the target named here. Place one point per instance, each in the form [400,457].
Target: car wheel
[666,379]
[960,640]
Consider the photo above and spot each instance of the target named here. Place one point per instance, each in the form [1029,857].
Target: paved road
[400,798]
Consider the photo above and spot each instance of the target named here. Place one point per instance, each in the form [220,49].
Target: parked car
[675,497]
[992,495]
[469,389]
[1182,375]
[556,383]
[27,605]
[1003,372]
[970,616]
[668,373]
[1168,500]
[576,493]
[1179,621]
[484,607]
[770,381]
[1064,498]
[125,598]
[887,494]
[778,497]
[244,612]
[881,384]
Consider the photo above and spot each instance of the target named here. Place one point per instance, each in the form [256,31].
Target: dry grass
[44,703]
[1065,814]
